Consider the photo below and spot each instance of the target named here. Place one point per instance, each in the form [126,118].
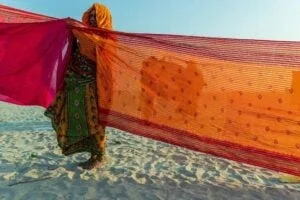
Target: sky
[251,19]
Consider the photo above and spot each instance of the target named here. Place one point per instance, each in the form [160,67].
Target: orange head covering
[87,41]
[103,16]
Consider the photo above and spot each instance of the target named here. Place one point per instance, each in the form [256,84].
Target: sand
[32,167]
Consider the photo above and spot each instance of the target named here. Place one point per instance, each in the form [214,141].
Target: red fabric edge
[229,150]
[27,13]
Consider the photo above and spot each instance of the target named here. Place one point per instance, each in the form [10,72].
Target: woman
[74,113]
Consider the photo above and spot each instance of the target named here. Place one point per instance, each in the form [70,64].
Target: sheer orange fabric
[237,99]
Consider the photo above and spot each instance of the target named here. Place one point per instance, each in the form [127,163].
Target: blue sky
[260,19]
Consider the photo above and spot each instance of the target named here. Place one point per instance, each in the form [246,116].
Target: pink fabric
[33,57]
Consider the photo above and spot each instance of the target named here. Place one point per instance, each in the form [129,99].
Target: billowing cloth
[12,15]
[33,56]
[32,61]
[232,98]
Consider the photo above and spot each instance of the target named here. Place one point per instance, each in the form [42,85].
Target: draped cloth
[232,98]
[33,57]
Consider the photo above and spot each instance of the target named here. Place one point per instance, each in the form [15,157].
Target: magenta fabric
[33,58]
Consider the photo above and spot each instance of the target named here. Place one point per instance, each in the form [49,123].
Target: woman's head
[98,16]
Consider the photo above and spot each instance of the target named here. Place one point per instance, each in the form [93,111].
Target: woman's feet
[94,162]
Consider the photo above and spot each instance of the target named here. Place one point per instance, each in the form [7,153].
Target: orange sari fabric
[238,99]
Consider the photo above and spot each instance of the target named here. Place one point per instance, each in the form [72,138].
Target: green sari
[74,112]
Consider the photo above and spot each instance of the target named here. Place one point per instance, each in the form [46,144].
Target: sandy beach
[136,168]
